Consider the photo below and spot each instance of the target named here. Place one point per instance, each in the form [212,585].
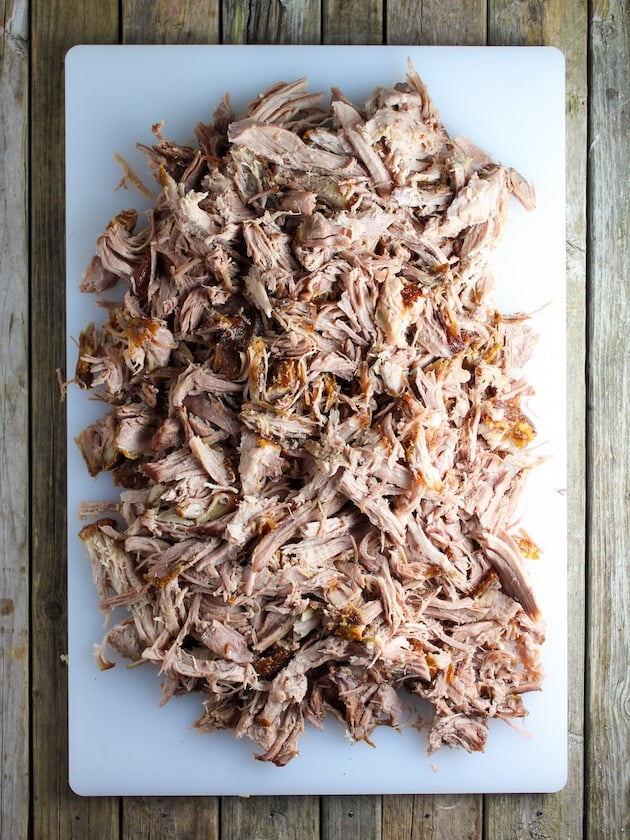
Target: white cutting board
[509,101]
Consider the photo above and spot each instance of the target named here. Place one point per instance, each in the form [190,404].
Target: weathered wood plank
[561,24]
[432,818]
[274,22]
[165,818]
[397,817]
[608,650]
[14,583]
[270,818]
[435,22]
[420,817]
[351,817]
[289,22]
[168,22]
[352,22]
[514,22]
[57,813]
[565,26]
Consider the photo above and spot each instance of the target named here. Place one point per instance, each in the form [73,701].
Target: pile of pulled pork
[315,420]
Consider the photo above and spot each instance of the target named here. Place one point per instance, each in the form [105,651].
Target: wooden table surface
[34,797]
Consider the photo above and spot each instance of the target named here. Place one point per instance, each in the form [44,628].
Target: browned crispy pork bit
[316,419]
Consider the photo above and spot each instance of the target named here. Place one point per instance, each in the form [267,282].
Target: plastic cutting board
[509,101]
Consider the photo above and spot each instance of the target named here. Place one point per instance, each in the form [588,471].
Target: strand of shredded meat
[315,418]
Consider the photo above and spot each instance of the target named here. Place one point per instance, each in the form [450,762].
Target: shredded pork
[316,421]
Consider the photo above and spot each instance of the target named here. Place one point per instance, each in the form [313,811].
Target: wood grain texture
[352,22]
[441,817]
[170,21]
[272,22]
[516,22]
[397,817]
[275,22]
[56,25]
[608,650]
[351,817]
[563,25]
[166,818]
[434,817]
[435,22]
[14,583]
[57,813]
[270,818]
